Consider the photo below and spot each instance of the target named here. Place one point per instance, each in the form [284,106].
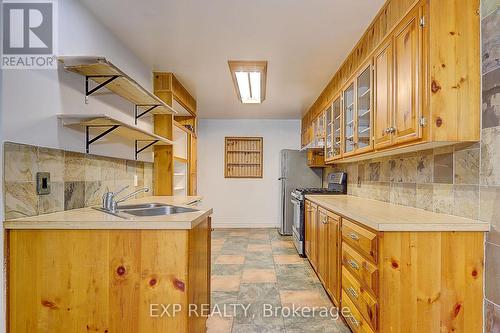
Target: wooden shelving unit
[243,157]
[106,75]
[143,138]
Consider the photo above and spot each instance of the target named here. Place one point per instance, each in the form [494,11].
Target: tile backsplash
[77,180]
[443,180]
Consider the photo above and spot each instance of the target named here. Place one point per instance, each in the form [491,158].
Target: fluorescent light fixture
[249,78]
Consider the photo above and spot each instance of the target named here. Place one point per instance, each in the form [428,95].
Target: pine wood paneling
[105,280]
[431,281]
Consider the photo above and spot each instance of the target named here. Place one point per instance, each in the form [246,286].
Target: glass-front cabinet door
[363,110]
[336,128]
[320,131]
[329,133]
[349,128]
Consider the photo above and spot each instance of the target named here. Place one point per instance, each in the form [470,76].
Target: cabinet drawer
[353,317]
[362,269]
[365,303]
[360,238]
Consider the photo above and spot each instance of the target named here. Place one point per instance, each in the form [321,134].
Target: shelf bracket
[139,115]
[89,91]
[137,150]
[89,141]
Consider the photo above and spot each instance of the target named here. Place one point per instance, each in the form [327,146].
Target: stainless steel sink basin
[141,206]
[156,211]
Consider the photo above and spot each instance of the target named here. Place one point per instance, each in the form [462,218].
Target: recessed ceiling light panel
[249,79]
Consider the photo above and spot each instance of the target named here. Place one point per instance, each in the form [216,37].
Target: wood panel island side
[87,271]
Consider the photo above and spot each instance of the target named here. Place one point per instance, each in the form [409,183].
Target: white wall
[32,98]
[243,202]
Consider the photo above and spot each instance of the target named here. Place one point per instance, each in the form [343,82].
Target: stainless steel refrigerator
[294,174]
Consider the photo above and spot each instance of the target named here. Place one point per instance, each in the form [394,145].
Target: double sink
[148,209]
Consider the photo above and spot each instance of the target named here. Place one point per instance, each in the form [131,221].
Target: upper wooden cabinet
[406,67]
[382,78]
[357,101]
[333,149]
[397,69]
[411,83]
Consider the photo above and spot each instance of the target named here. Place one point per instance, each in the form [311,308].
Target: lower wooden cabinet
[322,254]
[108,280]
[311,234]
[409,281]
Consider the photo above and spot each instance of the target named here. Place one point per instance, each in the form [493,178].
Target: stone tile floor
[259,269]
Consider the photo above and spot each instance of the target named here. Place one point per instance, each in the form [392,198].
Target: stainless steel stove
[337,184]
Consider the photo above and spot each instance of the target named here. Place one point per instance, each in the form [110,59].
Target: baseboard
[242,226]
[242,223]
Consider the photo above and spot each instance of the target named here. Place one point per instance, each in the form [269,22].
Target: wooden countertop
[89,218]
[383,216]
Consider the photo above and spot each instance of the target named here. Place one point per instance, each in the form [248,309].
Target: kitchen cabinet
[315,158]
[333,149]
[380,278]
[407,54]
[311,233]
[332,243]
[319,131]
[358,113]
[383,104]
[322,254]
[322,247]
[411,83]
[349,119]
[364,110]
[108,280]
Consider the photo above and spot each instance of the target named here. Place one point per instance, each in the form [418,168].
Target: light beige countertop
[383,216]
[89,218]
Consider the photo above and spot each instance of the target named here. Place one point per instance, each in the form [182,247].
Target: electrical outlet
[43,183]
[136,180]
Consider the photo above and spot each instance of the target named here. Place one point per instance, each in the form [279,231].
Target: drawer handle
[325,221]
[353,264]
[353,292]
[354,236]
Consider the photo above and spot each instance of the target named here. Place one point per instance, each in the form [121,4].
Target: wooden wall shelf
[105,74]
[243,157]
[114,125]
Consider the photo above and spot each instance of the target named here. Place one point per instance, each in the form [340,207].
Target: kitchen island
[84,270]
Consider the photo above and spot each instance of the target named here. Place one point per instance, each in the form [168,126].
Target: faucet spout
[144,189]
[110,204]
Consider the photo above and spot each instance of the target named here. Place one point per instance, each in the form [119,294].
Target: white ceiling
[304,42]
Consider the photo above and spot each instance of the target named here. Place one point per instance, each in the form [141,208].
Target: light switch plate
[43,183]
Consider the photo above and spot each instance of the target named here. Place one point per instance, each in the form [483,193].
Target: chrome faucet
[108,199]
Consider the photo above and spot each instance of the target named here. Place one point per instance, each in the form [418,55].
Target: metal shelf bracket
[89,141]
[149,109]
[89,91]
[137,150]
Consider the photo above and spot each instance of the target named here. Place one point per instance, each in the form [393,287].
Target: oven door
[298,225]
